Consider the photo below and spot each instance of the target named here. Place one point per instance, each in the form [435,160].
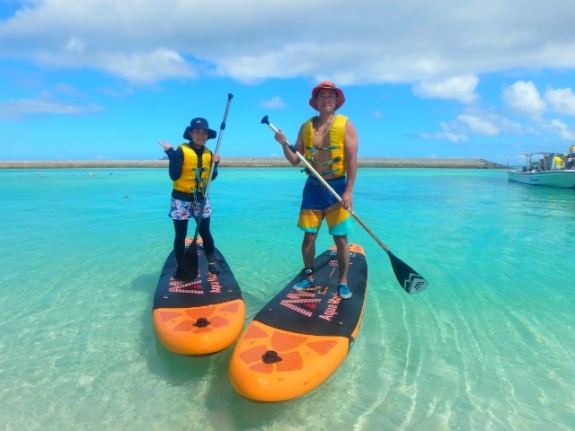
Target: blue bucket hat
[199,123]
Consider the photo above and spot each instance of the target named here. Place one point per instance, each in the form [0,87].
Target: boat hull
[560,178]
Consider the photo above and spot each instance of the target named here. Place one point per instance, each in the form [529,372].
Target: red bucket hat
[327,85]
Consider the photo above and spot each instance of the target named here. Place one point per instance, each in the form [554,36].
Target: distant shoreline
[252,162]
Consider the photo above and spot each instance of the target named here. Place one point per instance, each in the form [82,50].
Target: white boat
[545,169]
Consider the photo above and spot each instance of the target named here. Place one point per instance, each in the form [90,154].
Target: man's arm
[350,148]
[288,153]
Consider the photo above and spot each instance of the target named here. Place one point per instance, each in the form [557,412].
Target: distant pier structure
[255,162]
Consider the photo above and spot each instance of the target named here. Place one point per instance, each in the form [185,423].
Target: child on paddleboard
[189,168]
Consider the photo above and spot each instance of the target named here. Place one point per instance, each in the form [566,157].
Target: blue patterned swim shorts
[185,210]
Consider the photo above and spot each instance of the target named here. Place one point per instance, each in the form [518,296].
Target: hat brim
[340,97]
[211,133]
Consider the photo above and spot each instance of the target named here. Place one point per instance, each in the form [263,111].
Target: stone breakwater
[255,162]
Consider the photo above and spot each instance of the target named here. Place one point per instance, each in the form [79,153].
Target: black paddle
[191,254]
[409,280]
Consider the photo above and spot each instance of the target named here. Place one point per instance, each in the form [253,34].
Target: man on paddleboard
[189,169]
[329,142]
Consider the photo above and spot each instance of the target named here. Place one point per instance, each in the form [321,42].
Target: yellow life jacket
[336,141]
[193,178]
[558,162]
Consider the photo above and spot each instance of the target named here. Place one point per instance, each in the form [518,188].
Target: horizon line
[252,162]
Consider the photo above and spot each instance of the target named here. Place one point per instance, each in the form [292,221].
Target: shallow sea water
[489,346]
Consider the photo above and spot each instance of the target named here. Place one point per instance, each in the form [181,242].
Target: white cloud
[273,103]
[460,88]
[524,98]
[447,134]
[75,46]
[561,101]
[479,125]
[384,41]
[148,67]
[558,127]
[26,107]
[477,122]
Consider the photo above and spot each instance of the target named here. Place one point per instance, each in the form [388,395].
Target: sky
[109,79]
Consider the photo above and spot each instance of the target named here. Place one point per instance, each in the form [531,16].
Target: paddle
[407,277]
[191,254]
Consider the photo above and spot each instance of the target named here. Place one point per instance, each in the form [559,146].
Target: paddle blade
[191,259]
[410,280]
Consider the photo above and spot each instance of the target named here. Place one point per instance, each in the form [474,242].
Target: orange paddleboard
[299,339]
[202,316]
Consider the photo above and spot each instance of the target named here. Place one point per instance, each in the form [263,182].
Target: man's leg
[308,254]
[342,247]
[308,249]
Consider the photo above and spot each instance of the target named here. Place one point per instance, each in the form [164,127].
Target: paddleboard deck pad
[201,316]
[299,339]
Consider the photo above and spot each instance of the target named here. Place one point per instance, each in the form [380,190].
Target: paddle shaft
[217,149]
[331,190]
[220,135]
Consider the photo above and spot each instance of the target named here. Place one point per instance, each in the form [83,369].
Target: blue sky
[108,79]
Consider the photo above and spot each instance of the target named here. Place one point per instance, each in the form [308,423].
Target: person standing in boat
[570,157]
[558,162]
[189,168]
[329,142]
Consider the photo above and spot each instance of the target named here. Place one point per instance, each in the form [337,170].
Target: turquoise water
[489,346]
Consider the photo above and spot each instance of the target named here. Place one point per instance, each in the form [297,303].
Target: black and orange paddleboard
[299,339]
[202,316]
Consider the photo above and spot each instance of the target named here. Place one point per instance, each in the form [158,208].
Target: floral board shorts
[318,203]
[185,210]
